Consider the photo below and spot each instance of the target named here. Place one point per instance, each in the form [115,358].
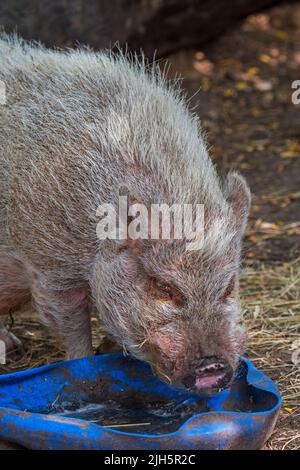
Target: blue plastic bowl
[31,402]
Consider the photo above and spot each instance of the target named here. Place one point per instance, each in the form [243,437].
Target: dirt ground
[252,125]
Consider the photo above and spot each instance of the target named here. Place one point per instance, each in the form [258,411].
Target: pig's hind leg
[66,313]
[14,291]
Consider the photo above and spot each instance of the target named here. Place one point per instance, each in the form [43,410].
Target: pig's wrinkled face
[182,318]
[178,310]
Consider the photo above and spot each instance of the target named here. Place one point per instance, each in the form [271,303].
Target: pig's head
[179,309]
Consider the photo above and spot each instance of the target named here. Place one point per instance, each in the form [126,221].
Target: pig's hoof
[108,345]
[12,343]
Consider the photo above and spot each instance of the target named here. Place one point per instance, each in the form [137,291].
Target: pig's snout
[211,375]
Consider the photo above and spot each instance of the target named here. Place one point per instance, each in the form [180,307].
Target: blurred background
[238,60]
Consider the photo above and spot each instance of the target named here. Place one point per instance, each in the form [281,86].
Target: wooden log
[161,26]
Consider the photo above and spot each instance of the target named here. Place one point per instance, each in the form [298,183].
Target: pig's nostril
[211,365]
[212,369]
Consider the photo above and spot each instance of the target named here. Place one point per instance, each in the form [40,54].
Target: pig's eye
[166,292]
[229,292]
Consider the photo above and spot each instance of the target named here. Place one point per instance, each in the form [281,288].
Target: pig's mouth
[208,384]
[209,380]
[211,375]
[211,384]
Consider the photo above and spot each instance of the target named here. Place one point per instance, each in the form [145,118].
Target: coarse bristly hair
[79,127]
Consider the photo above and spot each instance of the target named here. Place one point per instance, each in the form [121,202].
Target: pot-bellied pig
[79,129]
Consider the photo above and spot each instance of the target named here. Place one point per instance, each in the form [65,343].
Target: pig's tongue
[209,380]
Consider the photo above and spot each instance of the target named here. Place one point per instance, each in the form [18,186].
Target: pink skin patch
[209,380]
[8,304]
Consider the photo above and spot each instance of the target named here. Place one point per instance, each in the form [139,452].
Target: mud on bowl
[114,402]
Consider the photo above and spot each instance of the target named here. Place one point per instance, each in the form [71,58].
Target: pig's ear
[239,197]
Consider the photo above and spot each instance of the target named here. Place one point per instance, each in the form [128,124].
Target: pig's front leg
[11,342]
[67,314]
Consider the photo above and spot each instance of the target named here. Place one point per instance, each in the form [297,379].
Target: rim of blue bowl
[252,371]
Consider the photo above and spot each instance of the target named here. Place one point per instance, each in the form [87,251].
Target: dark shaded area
[163,26]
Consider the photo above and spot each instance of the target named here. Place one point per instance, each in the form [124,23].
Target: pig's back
[99,101]
[79,124]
